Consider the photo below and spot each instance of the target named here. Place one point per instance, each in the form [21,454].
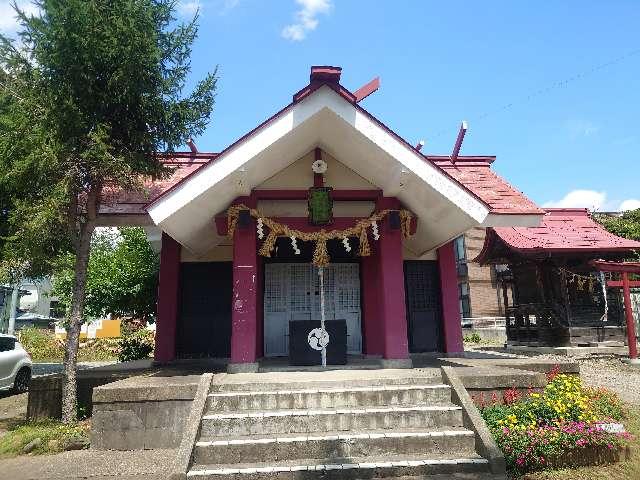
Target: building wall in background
[485,294]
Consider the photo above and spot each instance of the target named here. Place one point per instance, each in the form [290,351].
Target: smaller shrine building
[558,298]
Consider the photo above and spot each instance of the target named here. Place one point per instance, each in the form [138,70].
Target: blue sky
[574,144]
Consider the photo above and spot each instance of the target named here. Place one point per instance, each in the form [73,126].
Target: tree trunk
[69,384]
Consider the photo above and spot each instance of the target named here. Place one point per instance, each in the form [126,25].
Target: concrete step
[369,396]
[275,422]
[252,382]
[405,466]
[321,446]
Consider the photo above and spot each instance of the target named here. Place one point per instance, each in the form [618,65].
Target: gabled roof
[563,230]
[325,114]
[476,174]
[120,202]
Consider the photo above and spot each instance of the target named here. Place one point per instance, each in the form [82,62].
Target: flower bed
[560,426]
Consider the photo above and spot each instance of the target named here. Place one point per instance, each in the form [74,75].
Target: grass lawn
[627,470]
[54,436]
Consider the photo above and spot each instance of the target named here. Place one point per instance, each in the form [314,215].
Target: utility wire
[548,88]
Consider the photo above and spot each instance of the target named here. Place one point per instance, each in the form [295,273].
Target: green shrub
[98,349]
[53,434]
[136,346]
[473,338]
[42,345]
[605,404]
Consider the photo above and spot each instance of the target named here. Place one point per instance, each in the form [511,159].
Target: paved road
[40,369]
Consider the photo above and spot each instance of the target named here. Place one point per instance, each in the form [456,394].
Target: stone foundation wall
[45,394]
[142,412]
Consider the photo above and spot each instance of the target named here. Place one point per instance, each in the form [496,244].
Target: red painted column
[392,307]
[168,285]
[244,303]
[628,313]
[260,309]
[369,274]
[451,322]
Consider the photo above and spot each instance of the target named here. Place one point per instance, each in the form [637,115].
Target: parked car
[15,365]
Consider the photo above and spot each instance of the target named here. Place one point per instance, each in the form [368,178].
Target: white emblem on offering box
[318,338]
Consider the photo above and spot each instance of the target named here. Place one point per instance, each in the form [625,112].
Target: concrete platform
[142,412]
[567,351]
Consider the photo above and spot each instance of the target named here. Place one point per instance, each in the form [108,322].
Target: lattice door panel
[301,291]
[276,310]
[422,290]
[292,292]
[329,292]
[347,293]
[276,283]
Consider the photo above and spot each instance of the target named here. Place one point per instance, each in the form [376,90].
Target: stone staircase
[402,426]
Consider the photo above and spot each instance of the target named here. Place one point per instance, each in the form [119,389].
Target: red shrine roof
[563,230]
[120,202]
[473,173]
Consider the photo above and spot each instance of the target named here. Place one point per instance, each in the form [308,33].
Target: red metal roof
[120,202]
[475,173]
[562,230]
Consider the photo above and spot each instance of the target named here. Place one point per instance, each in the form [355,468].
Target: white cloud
[188,8]
[9,20]
[630,204]
[306,18]
[593,200]
[580,127]
[228,5]
[580,199]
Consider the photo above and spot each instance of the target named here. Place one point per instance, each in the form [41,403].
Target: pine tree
[90,93]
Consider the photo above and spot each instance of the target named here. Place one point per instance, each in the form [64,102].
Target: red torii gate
[624,269]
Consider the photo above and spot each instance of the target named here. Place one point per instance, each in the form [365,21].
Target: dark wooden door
[204,321]
[424,311]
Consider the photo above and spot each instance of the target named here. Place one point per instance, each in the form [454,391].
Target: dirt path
[13,408]
[94,464]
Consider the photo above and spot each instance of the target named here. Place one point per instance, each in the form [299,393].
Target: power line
[548,88]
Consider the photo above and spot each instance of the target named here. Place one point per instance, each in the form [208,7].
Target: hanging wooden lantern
[320,206]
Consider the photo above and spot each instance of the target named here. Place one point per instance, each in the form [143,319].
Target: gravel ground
[606,371]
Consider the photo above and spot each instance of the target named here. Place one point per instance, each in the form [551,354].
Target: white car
[15,365]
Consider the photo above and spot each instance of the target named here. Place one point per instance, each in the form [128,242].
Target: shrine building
[322,185]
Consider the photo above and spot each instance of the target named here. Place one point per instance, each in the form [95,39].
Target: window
[461,257]
[459,247]
[7,344]
[465,300]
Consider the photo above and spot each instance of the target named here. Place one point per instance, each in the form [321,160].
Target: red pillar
[392,308]
[260,309]
[168,285]
[244,303]
[628,313]
[450,300]
[369,274]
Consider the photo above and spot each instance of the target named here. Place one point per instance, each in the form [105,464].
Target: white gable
[324,119]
